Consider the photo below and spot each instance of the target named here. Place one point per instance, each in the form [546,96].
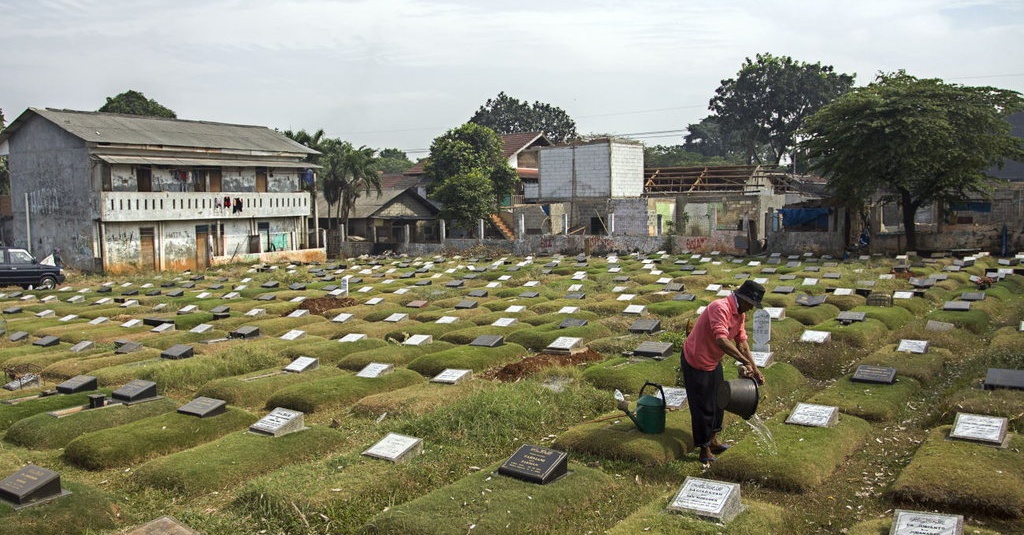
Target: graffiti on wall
[44,201]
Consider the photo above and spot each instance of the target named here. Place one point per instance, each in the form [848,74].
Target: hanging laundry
[227,201]
[237,205]
[216,203]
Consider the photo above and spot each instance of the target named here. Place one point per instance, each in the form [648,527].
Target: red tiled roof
[397,181]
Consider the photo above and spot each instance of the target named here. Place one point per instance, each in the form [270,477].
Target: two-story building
[122,192]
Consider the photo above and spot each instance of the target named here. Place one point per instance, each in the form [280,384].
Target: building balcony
[126,206]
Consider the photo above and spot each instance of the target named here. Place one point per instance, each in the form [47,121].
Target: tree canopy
[135,103]
[507,115]
[390,161]
[913,141]
[759,112]
[469,173]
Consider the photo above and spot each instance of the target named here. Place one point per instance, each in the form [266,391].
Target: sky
[398,73]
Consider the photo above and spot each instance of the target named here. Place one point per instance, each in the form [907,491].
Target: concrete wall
[52,167]
[599,169]
[627,167]
[233,179]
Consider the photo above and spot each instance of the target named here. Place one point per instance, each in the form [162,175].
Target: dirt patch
[320,305]
[529,365]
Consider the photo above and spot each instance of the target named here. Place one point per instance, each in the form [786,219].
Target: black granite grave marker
[847,317]
[78,383]
[296,286]
[245,332]
[152,293]
[645,326]
[424,282]
[30,484]
[156,322]
[270,284]
[220,309]
[134,390]
[652,349]
[13,310]
[18,336]
[477,293]
[203,407]
[575,295]
[488,340]
[572,322]
[127,347]
[535,464]
[529,295]
[266,297]
[874,374]
[175,293]
[685,297]
[130,292]
[47,341]
[177,351]
[972,296]
[811,300]
[1004,378]
[465,304]
[454,283]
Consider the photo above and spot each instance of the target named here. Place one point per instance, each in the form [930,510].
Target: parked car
[19,268]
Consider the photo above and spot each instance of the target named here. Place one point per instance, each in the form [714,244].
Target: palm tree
[359,172]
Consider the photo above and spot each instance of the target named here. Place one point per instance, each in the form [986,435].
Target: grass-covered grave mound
[491,503]
[800,457]
[330,392]
[10,413]
[399,355]
[467,357]
[151,437]
[44,431]
[253,389]
[614,436]
[234,458]
[963,476]
[875,402]
[85,510]
[758,518]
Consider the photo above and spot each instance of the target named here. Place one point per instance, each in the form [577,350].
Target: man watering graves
[719,331]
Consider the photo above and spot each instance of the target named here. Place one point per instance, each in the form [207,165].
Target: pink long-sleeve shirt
[721,319]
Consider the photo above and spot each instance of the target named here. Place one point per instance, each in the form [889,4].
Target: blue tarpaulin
[805,218]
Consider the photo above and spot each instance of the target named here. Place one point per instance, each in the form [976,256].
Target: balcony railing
[116,206]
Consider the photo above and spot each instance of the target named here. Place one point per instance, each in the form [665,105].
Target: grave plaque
[676,397]
[419,340]
[674,287]
[1004,378]
[535,464]
[812,415]
[847,317]
[842,291]
[452,376]
[47,341]
[298,313]
[563,345]
[245,332]
[465,304]
[515,309]
[568,310]
[655,350]
[302,364]
[396,448]
[162,328]
[503,322]
[375,369]
[957,306]
[341,318]
[201,328]
[31,485]
[635,309]
[18,336]
[134,390]
[913,346]
[775,313]
[12,310]
[45,313]
[811,300]
[266,297]
[396,317]
[782,290]
[979,428]
[874,374]
[352,337]
[447,319]
[920,523]
[572,322]
[416,304]
[203,407]
[78,383]
[127,347]
[293,334]
[939,326]
[529,295]
[685,297]
[279,422]
[488,340]
[177,351]
[816,337]
[131,323]
[763,359]
[645,326]
[972,296]
[708,498]
[903,295]
[81,346]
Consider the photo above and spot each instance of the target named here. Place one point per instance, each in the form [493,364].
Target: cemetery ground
[547,341]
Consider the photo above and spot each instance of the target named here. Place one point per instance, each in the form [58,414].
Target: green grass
[467,335]
[329,392]
[961,476]
[71,367]
[254,393]
[759,518]
[629,376]
[44,431]
[804,458]
[467,357]
[1001,402]
[538,338]
[151,437]
[418,399]
[869,401]
[925,368]
[812,315]
[399,355]
[974,320]
[12,413]
[493,503]
[614,436]
[85,510]
[234,458]
[859,334]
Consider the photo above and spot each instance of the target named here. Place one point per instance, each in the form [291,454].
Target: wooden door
[214,177]
[261,181]
[147,248]
[202,246]
[144,177]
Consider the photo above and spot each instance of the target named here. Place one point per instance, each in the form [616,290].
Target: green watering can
[650,410]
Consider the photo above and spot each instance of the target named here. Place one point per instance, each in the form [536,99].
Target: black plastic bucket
[739,396]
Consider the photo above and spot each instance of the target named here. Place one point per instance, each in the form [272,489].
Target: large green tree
[763,107]
[390,161]
[507,115]
[135,103]
[914,141]
[458,160]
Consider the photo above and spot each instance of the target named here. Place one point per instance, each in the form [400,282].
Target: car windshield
[19,256]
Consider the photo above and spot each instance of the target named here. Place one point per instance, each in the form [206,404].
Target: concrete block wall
[632,217]
[627,169]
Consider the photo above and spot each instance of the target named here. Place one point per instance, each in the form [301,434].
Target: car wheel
[47,283]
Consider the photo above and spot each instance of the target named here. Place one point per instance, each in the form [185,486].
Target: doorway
[147,248]
[202,246]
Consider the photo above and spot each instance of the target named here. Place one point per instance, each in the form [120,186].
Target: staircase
[502,227]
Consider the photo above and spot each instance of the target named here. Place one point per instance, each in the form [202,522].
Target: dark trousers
[702,398]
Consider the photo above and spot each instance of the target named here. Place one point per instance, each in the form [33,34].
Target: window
[19,256]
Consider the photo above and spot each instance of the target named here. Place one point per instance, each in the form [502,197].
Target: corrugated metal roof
[115,128]
[193,162]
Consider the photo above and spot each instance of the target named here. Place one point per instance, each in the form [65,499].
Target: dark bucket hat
[750,292]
